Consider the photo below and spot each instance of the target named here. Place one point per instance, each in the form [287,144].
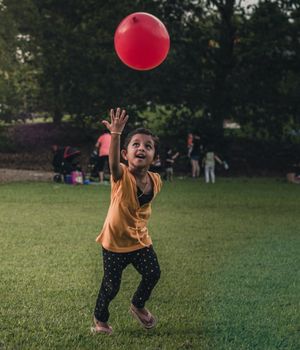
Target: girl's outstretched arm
[117,123]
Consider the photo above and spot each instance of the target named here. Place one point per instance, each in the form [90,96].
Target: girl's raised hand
[118,119]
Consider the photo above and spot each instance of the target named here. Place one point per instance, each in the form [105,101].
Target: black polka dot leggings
[144,261]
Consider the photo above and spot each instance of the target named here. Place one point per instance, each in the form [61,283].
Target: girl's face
[140,151]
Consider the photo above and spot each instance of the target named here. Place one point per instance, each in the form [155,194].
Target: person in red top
[102,145]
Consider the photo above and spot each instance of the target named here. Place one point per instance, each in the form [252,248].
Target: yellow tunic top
[125,227]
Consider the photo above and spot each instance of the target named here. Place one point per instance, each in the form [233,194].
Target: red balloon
[142,41]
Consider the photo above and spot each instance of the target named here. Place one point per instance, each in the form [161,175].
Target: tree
[7,59]
[18,76]
[264,84]
[80,72]
[221,63]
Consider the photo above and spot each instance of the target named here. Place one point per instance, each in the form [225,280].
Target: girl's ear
[124,154]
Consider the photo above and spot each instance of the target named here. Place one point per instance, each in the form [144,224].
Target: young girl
[124,237]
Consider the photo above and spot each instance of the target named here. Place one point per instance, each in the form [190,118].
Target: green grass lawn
[229,255]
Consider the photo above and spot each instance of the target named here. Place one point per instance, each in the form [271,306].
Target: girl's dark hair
[145,132]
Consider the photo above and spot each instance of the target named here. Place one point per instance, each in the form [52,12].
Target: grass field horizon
[229,255]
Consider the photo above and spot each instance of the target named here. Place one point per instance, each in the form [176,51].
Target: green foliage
[224,62]
[18,75]
[81,74]
[170,121]
[265,81]
[229,256]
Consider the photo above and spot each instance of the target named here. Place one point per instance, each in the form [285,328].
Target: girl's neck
[138,173]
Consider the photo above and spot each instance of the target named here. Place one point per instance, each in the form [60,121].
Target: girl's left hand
[118,120]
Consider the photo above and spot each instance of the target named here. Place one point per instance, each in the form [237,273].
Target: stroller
[65,161]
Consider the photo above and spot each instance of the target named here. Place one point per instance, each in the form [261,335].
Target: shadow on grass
[164,331]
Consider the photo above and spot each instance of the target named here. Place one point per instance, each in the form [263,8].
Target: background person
[156,166]
[293,176]
[189,141]
[169,163]
[209,165]
[102,146]
[194,154]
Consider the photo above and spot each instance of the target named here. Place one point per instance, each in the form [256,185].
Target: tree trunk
[221,101]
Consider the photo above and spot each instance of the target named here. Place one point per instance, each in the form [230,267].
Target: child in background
[169,162]
[124,237]
[209,163]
